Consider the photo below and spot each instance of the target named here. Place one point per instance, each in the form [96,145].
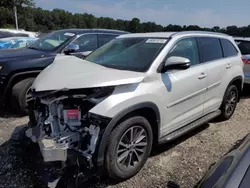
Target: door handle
[228,66]
[202,75]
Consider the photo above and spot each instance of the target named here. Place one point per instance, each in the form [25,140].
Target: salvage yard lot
[181,163]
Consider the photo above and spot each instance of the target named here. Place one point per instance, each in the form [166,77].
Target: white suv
[135,91]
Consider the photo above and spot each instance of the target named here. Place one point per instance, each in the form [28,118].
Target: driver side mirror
[85,54]
[71,48]
[176,63]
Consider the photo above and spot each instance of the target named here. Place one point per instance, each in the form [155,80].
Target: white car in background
[16,33]
[244,46]
[134,91]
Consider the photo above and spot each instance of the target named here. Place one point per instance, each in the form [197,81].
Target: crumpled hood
[74,73]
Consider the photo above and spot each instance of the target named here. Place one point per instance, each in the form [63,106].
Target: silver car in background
[244,46]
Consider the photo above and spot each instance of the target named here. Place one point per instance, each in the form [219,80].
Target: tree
[134,25]
[18,3]
[37,19]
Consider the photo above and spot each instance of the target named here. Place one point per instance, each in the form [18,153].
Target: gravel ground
[181,163]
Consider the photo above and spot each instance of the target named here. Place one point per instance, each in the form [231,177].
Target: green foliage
[37,19]
[18,3]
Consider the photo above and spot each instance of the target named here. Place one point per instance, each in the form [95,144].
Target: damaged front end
[60,122]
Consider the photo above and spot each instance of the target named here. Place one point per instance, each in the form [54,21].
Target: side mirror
[85,54]
[71,48]
[177,63]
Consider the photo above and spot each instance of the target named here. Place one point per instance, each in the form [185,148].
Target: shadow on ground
[246,92]
[22,166]
[9,113]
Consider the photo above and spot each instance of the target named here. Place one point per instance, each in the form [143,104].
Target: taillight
[245,61]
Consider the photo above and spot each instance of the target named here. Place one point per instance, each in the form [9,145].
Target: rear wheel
[129,147]
[20,95]
[229,102]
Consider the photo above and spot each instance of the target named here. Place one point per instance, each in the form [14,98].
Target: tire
[115,169]
[225,114]
[18,98]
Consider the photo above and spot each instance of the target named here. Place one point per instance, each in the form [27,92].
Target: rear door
[217,55]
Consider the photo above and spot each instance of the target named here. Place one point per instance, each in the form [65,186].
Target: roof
[242,38]
[173,34]
[16,38]
[153,34]
[15,31]
[80,31]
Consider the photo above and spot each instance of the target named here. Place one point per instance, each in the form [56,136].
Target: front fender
[113,123]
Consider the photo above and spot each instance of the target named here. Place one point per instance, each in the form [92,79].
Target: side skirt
[189,127]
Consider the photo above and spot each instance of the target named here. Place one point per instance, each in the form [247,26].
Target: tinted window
[86,42]
[228,48]
[105,38]
[210,49]
[244,47]
[186,48]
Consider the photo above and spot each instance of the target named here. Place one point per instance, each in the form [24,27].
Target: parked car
[19,67]
[16,42]
[136,90]
[4,33]
[232,171]
[244,46]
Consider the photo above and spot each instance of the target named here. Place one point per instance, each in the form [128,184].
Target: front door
[184,90]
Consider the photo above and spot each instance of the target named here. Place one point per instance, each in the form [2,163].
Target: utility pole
[15,13]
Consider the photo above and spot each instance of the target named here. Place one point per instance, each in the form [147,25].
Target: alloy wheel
[231,102]
[132,147]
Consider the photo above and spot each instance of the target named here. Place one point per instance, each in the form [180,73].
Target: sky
[205,13]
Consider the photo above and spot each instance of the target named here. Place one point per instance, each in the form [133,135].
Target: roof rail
[199,32]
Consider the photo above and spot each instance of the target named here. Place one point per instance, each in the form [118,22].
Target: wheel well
[238,84]
[15,80]
[150,115]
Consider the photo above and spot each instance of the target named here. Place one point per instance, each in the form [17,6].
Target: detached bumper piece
[52,151]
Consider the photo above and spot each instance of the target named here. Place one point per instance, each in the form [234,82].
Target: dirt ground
[181,163]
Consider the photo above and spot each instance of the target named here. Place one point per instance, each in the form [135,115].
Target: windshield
[52,41]
[135,54]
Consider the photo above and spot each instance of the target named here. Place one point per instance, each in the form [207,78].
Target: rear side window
[228,48]
[210,49]
[105,38]
[244,47]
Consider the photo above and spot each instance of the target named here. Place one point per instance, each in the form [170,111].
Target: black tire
[18,98]
[225,115]
[112,166]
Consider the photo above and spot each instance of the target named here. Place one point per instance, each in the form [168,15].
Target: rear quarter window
[210,49]
[228,48]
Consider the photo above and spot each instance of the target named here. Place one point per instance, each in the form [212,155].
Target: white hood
[74,73]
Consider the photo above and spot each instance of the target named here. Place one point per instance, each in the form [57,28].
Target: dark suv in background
[19,67]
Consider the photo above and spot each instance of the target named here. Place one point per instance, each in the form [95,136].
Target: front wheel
[20,95]
[229,102]
[128,148]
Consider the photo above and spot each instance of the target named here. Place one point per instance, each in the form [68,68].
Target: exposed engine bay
[60,121]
